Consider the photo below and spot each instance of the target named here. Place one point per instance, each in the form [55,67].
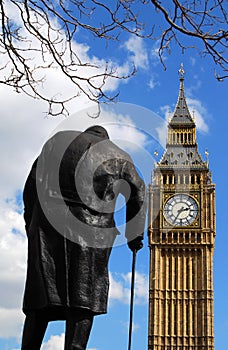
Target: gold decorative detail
[156,153]
[181,71]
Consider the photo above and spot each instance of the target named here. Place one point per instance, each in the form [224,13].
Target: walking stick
[132,298]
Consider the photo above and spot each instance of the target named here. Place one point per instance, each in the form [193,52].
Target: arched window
[164,179]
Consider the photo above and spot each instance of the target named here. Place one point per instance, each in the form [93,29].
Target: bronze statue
[69,200]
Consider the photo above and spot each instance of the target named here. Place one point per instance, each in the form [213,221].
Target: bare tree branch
[39,38]
[203,20]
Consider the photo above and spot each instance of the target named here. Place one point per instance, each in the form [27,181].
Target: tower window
[187,273]
[175,272]
[169,317]
[163,237]
[193,317]
[187,319]
[185,137]
[175,318]
[193,274]
[187,237]
[170,179]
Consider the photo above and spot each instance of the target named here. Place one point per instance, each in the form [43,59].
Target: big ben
[181,240]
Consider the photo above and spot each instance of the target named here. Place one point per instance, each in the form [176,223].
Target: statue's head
[98,131]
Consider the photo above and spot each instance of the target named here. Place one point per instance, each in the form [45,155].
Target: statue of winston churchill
[69,204]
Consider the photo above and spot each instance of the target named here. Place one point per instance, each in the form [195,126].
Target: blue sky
[24,129]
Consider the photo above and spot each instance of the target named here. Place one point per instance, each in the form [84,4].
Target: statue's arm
[30,194]
[134,191]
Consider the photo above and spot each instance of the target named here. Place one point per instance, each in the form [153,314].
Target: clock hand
[182,209]
[178,213]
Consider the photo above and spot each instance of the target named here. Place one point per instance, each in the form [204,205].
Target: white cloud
[117,291]
[56,342]
[193,61]
[162,129]
[23,129]
[153,83]
[120,286]
[12,271]
[154,54]
[124,132]
[201,114]
[135,326]
[53,82]
[141,286]
[120,126]
[139,55]
[193,88]
[10,322]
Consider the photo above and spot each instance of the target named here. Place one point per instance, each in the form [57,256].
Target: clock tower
[181,241]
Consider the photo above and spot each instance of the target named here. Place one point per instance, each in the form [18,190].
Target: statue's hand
[136,244]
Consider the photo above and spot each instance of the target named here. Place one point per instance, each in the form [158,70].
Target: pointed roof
[181,147]
[181,115]
[181,156]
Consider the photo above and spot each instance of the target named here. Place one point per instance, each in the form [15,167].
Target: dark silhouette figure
[69,200]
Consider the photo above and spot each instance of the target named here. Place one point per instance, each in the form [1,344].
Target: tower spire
[181,71]
[181,148]
[181,114]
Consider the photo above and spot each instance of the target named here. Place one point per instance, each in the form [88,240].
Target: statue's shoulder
[120,152]
[61,139]
[64,135]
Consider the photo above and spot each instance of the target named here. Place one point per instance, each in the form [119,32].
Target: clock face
[181,210]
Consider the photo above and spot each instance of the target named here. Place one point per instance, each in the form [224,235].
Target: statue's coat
[68,262]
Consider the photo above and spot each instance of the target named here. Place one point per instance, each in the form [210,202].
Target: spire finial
[207,155]
[181,71]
